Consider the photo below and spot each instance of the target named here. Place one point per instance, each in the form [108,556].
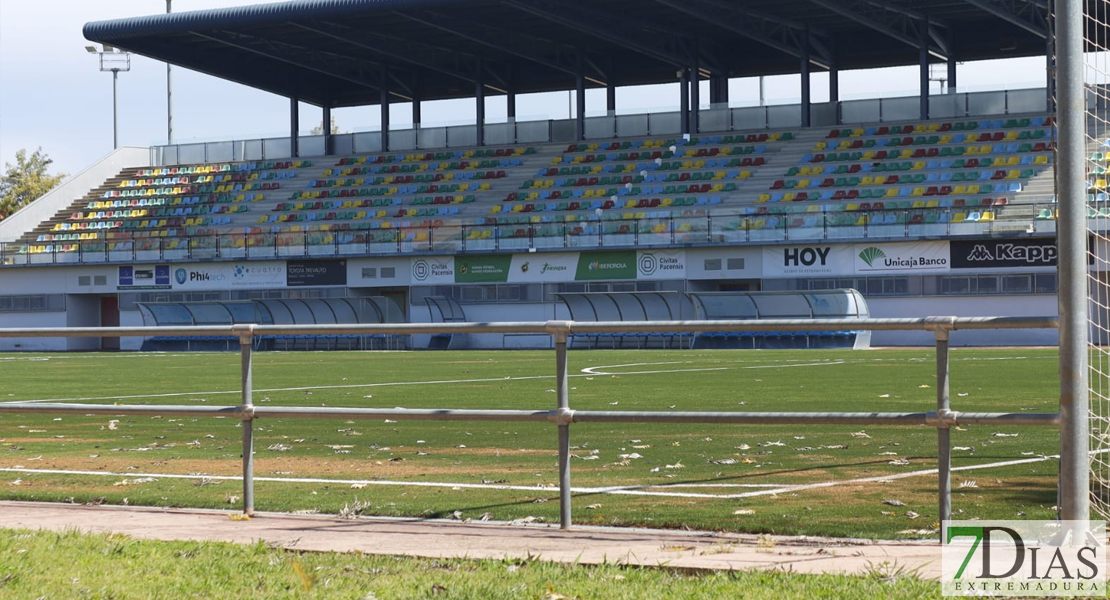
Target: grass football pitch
[871,482]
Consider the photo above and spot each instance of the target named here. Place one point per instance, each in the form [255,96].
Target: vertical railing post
[944,433]
[564,417]
[246,408]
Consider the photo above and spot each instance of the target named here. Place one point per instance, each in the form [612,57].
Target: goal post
[1081,73]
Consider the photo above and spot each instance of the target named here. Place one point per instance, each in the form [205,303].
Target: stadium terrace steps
[753,179]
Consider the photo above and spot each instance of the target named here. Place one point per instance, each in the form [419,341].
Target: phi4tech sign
[1024,558]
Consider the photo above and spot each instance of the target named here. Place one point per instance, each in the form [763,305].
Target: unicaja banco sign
[1024,558]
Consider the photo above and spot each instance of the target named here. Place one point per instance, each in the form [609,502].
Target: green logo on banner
[606,265]
[482,269]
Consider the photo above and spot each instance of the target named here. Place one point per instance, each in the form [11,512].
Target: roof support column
[684,100]
[415,112]
[580,100]
[385,118]
[834,92]
[294,127]
[1050,73]
[718,90]
[611,98]
[923,65]
[480,106]
[327,130]
[806,102]
[952,75]
[695,97]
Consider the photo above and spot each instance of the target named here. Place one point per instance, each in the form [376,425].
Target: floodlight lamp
[90,49]
[108,48]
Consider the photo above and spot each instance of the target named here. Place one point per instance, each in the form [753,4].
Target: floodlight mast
[114,60]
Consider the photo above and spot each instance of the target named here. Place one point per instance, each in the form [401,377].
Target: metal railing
[715,119]
[711,228]
[562,416]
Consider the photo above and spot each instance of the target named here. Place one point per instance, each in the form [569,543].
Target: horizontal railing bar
[575,416]
[176,410]
[1021,419]
[551,327]
[922,324]
[813,418]
[420,414]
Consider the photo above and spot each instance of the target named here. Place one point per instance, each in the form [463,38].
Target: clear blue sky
[53,95]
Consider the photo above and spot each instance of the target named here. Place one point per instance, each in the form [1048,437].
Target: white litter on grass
[138,481]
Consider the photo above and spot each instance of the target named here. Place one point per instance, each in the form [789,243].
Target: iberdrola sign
[620,264]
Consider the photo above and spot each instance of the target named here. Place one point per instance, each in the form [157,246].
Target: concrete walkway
[452,539]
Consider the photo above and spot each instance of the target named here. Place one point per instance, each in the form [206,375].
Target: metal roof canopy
[337,53]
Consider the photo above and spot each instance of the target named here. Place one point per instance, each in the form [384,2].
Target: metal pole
[1072,267]
[564,427]
[805,80]
[944,433]
[115,111]
[246,339]
[169,91]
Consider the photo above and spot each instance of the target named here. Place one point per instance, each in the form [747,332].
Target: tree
[319,129]
[26,181]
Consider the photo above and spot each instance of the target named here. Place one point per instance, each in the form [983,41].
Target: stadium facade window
[988,284]
[868,286]
[952,286]
[472,294]
[1044,283]
[33,303]
[1018,283]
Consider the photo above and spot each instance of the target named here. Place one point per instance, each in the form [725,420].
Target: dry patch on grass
[279,466]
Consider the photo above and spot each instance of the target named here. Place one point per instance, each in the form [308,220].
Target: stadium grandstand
[939,203]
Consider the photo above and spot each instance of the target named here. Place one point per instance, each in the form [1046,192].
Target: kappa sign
[987,254]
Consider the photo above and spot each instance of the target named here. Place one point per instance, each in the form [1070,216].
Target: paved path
[450,539]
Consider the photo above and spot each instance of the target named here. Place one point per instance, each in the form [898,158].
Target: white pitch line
[355,386]
[825,484]
[292,389]
[632,490]
[594,371]
[816,364]
[620,490]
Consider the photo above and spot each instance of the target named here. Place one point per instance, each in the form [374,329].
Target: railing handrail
[550,327]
